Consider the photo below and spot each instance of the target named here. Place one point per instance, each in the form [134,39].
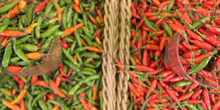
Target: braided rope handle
[110,46]
[124,53]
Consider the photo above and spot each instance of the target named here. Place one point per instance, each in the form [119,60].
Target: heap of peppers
[153,85]
[27,30]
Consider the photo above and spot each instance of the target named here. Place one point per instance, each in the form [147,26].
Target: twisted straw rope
[110,46]
[124,53]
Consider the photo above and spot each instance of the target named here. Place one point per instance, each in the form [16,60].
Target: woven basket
[116,45]
[110,46]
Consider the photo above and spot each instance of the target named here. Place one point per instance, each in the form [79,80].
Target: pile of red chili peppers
[27,30]
[153,85]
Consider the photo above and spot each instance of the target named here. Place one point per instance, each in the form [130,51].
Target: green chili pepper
[199,106]
[78,40]
[5,25]
[168,29]
[14,59]
[69,39]
[8,6]
[89,94]
[69,17]
[170,5]
[38,97]
[20,24]
[7,56]
[29,47]
[85,18]
[38,27]
[199,22]
[90,54]
[68,56]
[64,19]
[59,33]
[44,24]
[183,83]
[75,17]
[42,104]
[89,69]
[71,65]
[72,47]
[191,107]
[29,14]
[91,78]
[50,31]
[75,88]
[200,66]
[92,7]
[13,83]
[48,8]
[80,20]
[87,39]
[81,90]
[4,107]
[148,24]
[19,52]
[46,44]
[23,39]
[14,28]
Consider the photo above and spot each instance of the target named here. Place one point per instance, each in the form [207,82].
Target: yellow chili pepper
[22,5]
[30,28]
[6,91]
[20,96]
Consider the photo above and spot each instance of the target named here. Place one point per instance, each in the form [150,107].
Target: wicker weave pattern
[124,53]
[110,46]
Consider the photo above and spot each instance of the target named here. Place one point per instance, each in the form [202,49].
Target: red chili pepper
[207,99]
[152,86]
[185,96]
[61,70]
[136,49]
[193,35]
[173,97]
[175,79]
[41,83]
[122,68]
[56,89]
[40,6]
[178,89]
[216,105]
[143,68]
[137,60]
[204,105]
[145,58]
[203,45]
[64,44]
[191,54]
[133,88]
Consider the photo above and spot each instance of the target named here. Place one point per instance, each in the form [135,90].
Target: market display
[27,30]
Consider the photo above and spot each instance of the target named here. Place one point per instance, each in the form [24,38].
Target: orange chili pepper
[59,12]
[76,8]
[22,5]
[4,42]
[20,96]
[70,30]
[83,42]
[55,107]
[11,106]
[76,2]
[94,92]
[14,69]
[100,16]
[22,105]
[34,55]
[94,49]
[94,21]
[12,13]
[30,28]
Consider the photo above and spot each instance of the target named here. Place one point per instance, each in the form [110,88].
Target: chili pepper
[203,45]
[12,33]
[20,96]
[201,65]
[183,83]
[177,28]
[56,89]
[41,83]
[7,55]
[8,6]
[12,106]
[207,99]
[216,105]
